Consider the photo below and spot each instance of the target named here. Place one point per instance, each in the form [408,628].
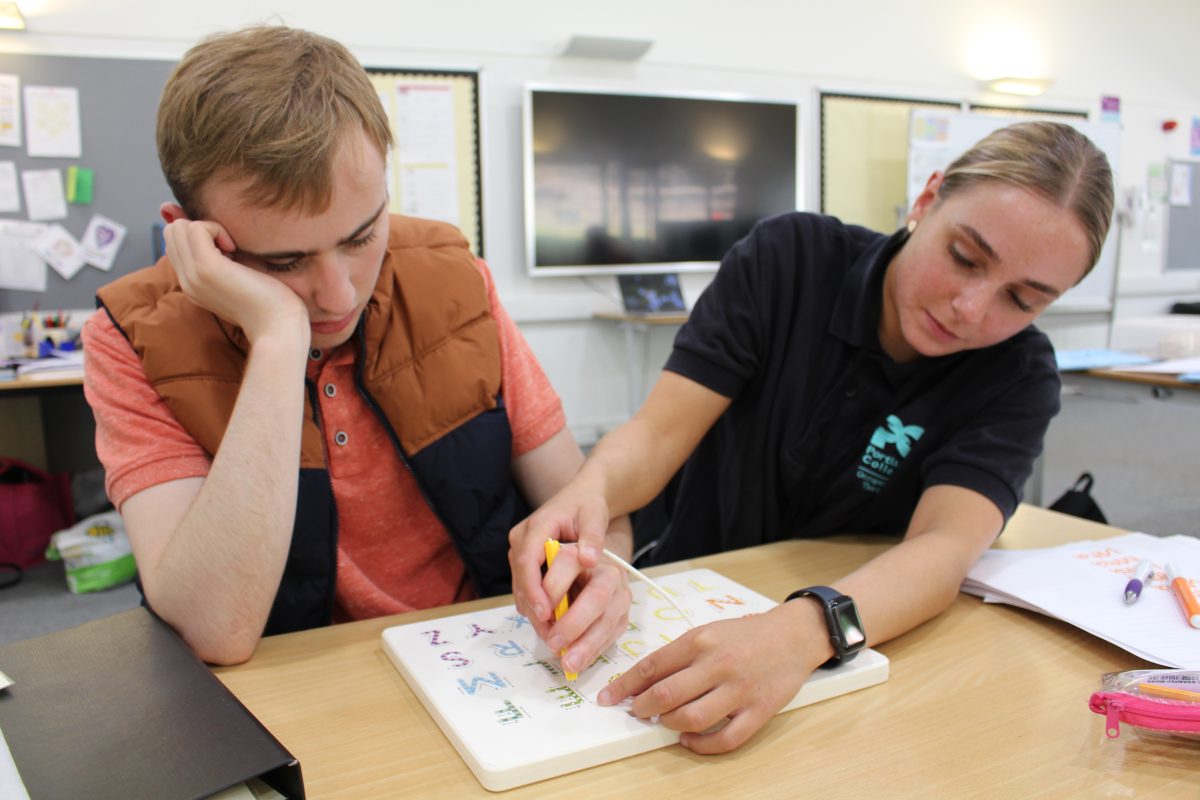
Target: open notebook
[498,694]
[1083,583]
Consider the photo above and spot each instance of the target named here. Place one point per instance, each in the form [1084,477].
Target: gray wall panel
[118,99]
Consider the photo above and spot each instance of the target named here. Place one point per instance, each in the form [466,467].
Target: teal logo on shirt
[878,464]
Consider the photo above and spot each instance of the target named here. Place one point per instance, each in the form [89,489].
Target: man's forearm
[218,575]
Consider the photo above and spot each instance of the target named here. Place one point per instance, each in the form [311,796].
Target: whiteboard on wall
[936,138]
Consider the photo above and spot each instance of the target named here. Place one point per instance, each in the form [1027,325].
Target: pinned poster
[101,241]
[1110,109]
[10,198]
[44,194]
[61,251]
[21,267]
[425,145]
[10,111]
[1181,184]
[81,182]
[52,122]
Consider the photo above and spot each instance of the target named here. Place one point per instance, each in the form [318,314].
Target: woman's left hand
[744,669]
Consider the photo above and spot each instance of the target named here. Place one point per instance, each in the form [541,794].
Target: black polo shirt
[826,433]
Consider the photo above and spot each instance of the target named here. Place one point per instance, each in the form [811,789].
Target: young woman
[833,379]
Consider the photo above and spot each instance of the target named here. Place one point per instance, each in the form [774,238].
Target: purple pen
[1133,589]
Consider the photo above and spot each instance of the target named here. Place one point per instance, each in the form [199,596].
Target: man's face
[330,259]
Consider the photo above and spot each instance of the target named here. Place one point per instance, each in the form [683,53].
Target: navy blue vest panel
[305,596]
[467,479]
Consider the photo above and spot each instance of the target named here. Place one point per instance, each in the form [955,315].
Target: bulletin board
[118,104]
[118,101]
[1183,216]
[433,169]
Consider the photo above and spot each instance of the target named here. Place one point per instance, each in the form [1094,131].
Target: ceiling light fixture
[1026,87]
[11,18]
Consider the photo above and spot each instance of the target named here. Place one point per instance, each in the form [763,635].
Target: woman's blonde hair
[1049,158]
[268,105]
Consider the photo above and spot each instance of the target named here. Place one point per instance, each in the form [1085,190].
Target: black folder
[121,708]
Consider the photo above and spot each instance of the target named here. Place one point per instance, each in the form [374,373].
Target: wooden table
[984,701]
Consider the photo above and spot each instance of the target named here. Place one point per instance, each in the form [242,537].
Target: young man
[309,410]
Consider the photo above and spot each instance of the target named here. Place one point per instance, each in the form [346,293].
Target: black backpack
[1078,501]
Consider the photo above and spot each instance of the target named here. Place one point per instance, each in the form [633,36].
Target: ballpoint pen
[1133,589]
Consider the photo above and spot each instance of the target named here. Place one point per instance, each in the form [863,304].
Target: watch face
[845,615]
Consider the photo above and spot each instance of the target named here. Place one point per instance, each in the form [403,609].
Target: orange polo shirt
[394,554]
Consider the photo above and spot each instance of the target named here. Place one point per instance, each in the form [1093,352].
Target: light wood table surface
[984,701]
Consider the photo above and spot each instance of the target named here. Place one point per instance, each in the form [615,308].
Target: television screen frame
[531,90]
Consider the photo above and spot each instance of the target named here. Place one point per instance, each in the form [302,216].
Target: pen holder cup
[57,336]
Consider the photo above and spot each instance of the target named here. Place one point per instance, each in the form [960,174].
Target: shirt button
[851,391]
[341,437]
[330,390]
[315,354]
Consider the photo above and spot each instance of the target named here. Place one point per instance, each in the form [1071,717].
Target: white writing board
[499,695]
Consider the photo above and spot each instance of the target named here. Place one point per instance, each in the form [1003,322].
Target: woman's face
[979,267]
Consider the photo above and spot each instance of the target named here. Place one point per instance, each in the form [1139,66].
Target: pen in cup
[1133,589]
[1183,593]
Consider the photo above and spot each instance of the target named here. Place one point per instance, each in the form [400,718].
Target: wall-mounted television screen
[633,183]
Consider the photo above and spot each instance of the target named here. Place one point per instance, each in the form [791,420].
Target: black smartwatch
[845,628]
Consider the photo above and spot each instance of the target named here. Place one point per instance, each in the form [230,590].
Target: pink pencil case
[1156,702]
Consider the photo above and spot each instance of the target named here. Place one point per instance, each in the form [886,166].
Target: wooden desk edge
[649,319]
[25,383]
[1146,378]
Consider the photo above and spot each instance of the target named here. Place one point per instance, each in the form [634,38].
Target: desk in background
[1132,385]
[1114,384]
[46,422]
[983,701]
[637,329]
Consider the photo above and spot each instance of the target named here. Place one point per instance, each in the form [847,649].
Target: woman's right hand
[199,251]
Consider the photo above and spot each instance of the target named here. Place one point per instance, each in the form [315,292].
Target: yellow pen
[552,546]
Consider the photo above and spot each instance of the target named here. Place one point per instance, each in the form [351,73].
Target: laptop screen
[652,294]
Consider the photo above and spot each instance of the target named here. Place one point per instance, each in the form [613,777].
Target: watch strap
[828,596]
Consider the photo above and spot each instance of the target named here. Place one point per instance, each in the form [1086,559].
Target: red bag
[33,505]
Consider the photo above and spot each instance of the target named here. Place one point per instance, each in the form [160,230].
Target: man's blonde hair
[268,105]
[1048,158]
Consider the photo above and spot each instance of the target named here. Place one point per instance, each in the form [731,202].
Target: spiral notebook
[500,697]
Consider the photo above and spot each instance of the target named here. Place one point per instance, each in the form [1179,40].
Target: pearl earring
[912,225]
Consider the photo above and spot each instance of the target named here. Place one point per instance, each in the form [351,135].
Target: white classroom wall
[1140,52]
